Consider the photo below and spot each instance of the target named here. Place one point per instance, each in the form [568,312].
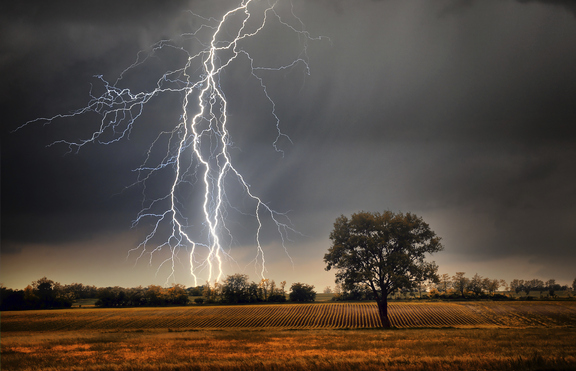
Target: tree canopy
[302,292]
[385,251]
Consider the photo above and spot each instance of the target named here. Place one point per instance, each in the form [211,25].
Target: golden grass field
[325,336]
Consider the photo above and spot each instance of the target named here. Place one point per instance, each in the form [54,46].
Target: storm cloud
[460,111]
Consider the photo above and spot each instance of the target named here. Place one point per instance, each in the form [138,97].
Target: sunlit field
[299,316]
[335,336]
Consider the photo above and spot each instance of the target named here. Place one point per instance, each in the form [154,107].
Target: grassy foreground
[331,336]
[282,349]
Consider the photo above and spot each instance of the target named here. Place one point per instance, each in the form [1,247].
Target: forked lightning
[196,149]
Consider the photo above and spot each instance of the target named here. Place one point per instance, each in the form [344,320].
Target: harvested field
[302,316]
[321,336]
[255,349]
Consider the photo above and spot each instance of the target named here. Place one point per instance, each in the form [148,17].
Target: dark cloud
[456,6]
[103,12]
[466,118]
[9,249]
[566,4]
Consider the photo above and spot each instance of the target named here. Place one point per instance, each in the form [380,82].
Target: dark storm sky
[462,112]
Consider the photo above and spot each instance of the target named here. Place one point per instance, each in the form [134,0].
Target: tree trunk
[383,312]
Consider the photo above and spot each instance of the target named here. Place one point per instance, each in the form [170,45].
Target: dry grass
[484,336]
[412,349]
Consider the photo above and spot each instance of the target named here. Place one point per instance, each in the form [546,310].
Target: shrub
[302,292]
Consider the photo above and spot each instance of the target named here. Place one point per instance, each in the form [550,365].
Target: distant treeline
[44,294]
[459,286]
[235,289]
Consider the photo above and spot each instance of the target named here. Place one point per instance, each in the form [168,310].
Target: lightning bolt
[196,150]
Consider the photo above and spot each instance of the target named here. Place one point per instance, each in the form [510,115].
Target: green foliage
[42,294]
[385,251]
[359,292]
[552,287]
[460,283]
[212,293]
[301,292]
[151,296]
[476,284]
[277,294]
[177,295]
[195,291]
[236,289]
[81,291]
[537,285]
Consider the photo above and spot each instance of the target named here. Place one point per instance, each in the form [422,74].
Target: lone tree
[385,251]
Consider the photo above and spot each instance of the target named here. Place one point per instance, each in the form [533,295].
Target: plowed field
[298,316]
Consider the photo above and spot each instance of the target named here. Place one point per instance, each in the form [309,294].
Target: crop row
[328,315]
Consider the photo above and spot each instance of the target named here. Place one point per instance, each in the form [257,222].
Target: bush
[499,297]
[301,292]
[277,297]
[237,289]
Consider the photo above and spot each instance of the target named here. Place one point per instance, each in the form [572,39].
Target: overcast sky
[460,111]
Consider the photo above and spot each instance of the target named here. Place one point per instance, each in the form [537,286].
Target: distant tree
[155,296]
[492,285]
[134,297]
[460,282]
[421,286]
[361,291]
[552,287]
[434,293]
[535,285]
[574,284]
[211,293]
[195,291]
[107,297]
[278,294]
[476,284]
[81,291]
[177,295]
[337,292]
[486,282]
[526,287]
[12,299]
[327,290]
[444,282]
[504,284]
[45,291]
[253,293]
[302,292]
[517,285]
[199,300]
[385,251]
[51,294]
[30,298]
[235,289]
[265,289]
[405,291]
